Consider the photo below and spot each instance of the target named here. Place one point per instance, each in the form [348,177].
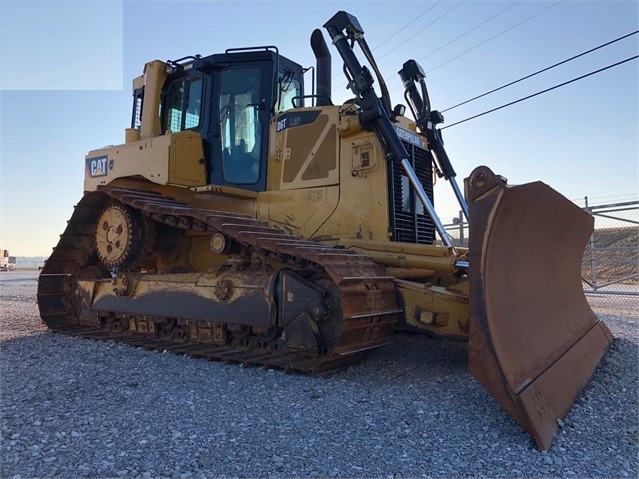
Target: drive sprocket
[120,235]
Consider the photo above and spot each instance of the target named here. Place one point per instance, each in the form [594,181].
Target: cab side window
[288,88]
[184,110]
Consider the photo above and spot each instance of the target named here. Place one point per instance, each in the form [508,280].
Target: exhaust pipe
[323,56]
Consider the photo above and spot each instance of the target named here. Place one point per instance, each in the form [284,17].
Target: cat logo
[96,167]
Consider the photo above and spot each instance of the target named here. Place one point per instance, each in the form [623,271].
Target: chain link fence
[610,266]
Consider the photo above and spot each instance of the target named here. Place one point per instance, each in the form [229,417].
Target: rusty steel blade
[534,341]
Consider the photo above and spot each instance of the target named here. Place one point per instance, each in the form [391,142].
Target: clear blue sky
[66,71]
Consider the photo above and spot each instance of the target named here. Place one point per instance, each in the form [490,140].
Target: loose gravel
[74,407]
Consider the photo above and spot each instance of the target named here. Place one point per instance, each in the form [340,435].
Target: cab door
[242,105]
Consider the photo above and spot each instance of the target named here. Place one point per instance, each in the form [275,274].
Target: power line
[393,35]
[472,29]
[541,71]
[419,31]
[488,40]
[540,92]
[495,36]
[409,23]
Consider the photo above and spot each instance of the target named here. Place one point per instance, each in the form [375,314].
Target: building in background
[7,263]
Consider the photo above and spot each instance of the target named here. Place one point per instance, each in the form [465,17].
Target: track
[366,296]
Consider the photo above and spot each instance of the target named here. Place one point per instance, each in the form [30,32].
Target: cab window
[185,105]
[240,124]
[288,88]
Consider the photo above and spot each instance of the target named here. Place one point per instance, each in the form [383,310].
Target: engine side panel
[174,158]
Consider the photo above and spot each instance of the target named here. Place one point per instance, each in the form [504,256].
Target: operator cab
[229,99]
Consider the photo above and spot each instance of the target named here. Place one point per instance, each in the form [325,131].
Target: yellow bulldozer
[250,220]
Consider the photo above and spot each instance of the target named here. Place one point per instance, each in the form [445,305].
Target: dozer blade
[534,341]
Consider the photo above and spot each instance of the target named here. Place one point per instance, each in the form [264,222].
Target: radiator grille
[410,223]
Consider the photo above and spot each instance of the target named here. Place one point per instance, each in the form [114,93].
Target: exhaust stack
[323,56]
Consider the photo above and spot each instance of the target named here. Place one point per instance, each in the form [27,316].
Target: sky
[66,71]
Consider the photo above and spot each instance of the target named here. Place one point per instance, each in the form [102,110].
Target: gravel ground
[74,407]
